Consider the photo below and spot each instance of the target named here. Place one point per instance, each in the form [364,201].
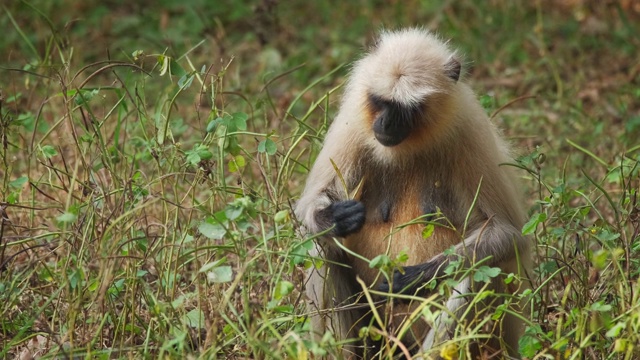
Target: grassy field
[151,152]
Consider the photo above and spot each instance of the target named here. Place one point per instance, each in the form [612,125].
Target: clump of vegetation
[150,156]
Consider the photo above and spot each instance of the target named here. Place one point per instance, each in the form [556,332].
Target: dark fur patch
[393,121]
[430,209]
[452,69]
[399,113]
[385,210]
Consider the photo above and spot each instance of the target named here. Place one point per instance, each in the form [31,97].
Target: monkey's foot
[413,278]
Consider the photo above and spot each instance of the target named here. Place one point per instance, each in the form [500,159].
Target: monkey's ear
[372,42]
[452,69]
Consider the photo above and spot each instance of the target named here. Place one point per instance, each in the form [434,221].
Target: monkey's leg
[498,241]
[462,309]
[331,291]
[444,325]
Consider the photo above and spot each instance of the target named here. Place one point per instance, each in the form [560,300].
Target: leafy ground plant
[150,155]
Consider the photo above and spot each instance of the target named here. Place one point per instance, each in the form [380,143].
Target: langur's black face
[393,122]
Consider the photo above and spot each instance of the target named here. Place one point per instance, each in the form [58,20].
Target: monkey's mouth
[389,140]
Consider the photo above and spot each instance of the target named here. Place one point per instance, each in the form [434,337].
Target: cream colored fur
[456,140]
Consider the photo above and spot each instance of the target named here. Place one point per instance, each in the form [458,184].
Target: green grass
[150,155]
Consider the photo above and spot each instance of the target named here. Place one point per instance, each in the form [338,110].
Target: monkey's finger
[350,224]
[346,209]
[384,286]
[349,216]
[410,281]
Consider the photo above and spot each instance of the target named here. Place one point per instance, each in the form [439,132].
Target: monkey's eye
[376,103]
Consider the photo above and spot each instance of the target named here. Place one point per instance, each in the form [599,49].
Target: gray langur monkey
[415,146]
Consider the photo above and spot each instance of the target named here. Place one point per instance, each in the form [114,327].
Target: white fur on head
[405,66]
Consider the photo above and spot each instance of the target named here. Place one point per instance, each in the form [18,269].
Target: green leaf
[75,278]
[13,98]
[116,287]
[212,231]
[300,251]
[616,329]
[318,264]
[365,332]
[509,279]
[428,231]
[93,285]
[19,182]
[528,344]
[48,151]
[622,345]
[485,273]
[67,217]
[530,226]
[13,197]
[237,163]
[599,306]
[232,166]
[233,211]
[185,81]
[486,101]
[240,120]
[222,274]
[281,216]
[379,261]
[193,157]
[84,96]
[239,159]
[429,315]
[606,235]
[284,309]
[599,259]
[267,146]
[27,121]
[198,153]
[194,319]
[207,267]
[176,69]
[283,288]
[232,146]
[227,120]
[402,257]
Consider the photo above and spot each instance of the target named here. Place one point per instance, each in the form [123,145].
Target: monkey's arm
[325,201]
[498,240]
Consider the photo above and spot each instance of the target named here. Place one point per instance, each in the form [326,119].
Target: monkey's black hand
[412,279]
[348,216]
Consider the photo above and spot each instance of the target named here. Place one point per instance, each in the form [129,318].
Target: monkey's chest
[408,219]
